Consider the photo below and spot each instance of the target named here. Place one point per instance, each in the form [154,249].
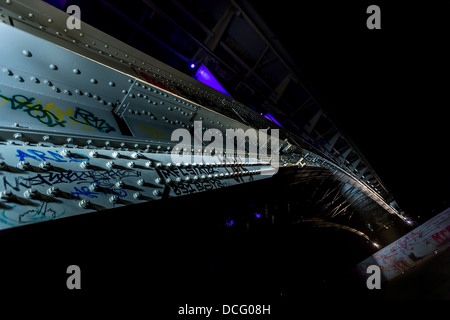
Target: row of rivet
[56,89]
[188,87]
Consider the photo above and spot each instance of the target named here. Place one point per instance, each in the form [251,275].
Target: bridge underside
[85,136]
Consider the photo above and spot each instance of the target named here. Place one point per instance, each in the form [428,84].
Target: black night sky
[387,89]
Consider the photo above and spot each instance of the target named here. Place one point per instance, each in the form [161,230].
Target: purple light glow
[258,215]
[205,76]
[271,118]
[192,65]
[229,223]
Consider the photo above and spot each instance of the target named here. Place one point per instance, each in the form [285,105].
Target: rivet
[112,84]
[149,164]
[120,184]
[156,192]
[110,164]
[7,71]
[34,79]
[31,193]
[94,186]
[50,20]
[131,164]
[84,203]
[66,153]
[116,154]
[85,165]
[114,198]
[26,53]
[53,191]
[6,195]
[141,182]
[45,165]
[93,81]
[93,154]
[135,155]
[19,78]
[137,195]
[53,67]
[17,136]
[76,71]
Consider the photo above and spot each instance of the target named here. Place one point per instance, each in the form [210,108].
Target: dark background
[387,89]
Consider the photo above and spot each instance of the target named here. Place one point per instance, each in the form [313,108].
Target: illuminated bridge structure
[87,115]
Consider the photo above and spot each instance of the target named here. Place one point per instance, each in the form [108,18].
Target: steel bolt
[24,165]
[84,203]
[53,191]
[66,153]
[120,184]
[45,165]
[85,165]
[93,154]
[137,195]
[6,195]
[110,164]
[31,193]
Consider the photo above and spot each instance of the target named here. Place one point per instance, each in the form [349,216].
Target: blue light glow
[271,118]
[205,76]
[192,65]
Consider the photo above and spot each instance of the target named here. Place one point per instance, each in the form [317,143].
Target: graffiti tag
[52,116]
[37,111]
[88,118]
[49,156]
[151,132]
[79,177]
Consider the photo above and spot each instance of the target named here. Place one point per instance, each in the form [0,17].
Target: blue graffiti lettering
[85,192]
[49,156]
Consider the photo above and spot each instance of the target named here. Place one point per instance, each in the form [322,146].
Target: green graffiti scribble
[36,111]
[88,118]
